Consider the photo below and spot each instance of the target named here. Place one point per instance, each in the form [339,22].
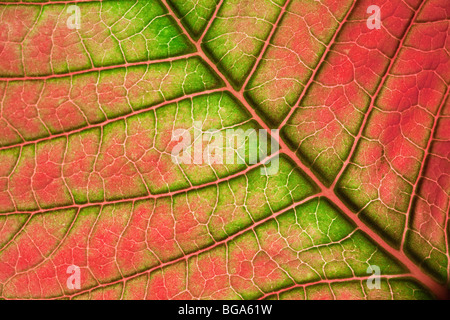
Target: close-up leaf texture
[87,116]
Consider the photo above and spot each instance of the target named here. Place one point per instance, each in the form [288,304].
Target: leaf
[87,177]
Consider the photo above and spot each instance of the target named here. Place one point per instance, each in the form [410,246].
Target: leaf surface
[87,177]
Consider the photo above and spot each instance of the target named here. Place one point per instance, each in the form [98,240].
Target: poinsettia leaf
[345,103]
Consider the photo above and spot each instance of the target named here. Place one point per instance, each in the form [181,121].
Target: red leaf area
[87,180]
